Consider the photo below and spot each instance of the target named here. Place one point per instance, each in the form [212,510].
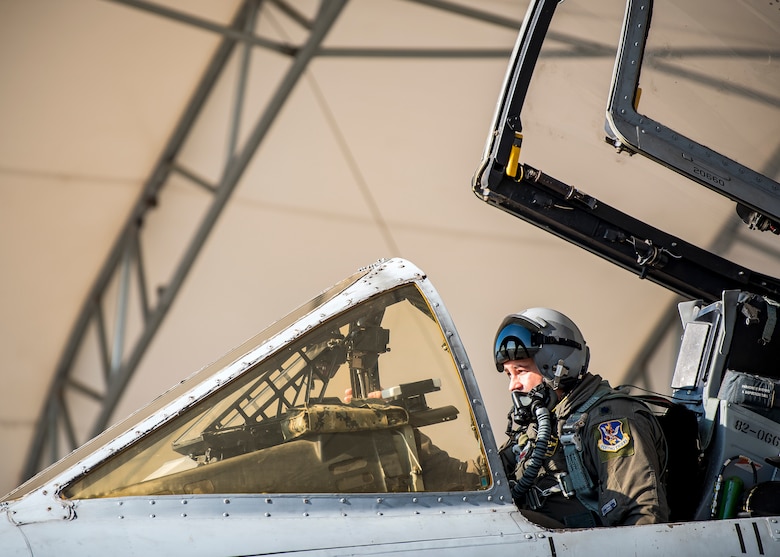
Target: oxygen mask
[525,403]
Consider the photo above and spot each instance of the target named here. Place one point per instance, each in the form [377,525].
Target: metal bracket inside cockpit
[411,396]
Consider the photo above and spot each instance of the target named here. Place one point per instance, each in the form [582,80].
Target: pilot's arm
[627,453]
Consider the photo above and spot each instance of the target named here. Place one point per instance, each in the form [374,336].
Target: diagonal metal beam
[55,424]
[328,13]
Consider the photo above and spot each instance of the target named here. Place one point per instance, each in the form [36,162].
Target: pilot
[580,453]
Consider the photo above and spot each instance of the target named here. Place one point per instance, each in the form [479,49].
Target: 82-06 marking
[761,434]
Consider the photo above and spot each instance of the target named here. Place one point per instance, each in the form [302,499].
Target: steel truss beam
[118,362]
[60,427]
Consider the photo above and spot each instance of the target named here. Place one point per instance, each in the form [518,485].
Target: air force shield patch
[613,438]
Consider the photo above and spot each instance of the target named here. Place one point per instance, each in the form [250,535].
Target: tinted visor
[516,342]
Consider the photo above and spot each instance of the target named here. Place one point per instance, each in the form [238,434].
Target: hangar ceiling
[177,175]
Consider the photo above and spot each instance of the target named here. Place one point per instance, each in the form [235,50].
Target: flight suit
[623,452]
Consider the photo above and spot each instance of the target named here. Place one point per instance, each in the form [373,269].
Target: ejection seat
[728,373]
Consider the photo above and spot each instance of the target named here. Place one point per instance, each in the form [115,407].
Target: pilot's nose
[515,383]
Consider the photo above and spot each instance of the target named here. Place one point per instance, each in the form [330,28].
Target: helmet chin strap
[553,398]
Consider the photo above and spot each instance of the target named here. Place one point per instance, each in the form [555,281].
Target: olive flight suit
[623,453]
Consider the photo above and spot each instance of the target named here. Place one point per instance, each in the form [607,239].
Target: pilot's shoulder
[619,406]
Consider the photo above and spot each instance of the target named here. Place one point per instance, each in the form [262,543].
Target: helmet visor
[516,342]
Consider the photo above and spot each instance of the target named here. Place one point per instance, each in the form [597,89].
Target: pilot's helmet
[550,338]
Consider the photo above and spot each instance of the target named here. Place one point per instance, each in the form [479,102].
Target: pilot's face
[523,374]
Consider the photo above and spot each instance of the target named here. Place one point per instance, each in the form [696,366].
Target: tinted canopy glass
[369,401]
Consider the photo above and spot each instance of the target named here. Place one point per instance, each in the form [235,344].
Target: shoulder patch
[613,439]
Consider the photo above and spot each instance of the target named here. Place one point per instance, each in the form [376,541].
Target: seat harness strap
[582,483]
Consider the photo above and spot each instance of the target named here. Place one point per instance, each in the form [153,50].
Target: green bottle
[732,492]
